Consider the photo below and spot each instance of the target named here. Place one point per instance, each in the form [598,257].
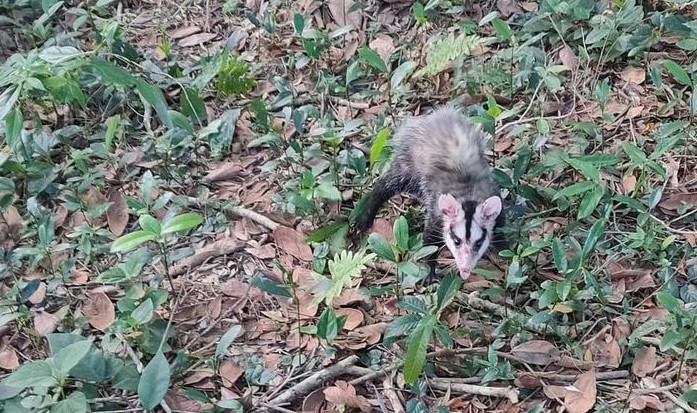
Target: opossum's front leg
[432,236]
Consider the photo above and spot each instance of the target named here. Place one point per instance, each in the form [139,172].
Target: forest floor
[176,181]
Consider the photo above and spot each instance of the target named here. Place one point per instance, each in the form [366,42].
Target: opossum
[439,158]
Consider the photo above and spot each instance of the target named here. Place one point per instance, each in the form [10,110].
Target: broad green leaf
[373,59]
[150,224]
[69,356]
[8,98]
[673,338]
[502,28]
[33,373]
[192,106]
[687,44]
[401,232]
[447,289]
[230,404]
[588,170]
[154,382]
[182,222]
[144,312]
[424,252]
[13,127]
[298,23]
[416,350]
[154,96]
[401,73]
[413,304]
[75,403]
[559,255]
[575,189]
[227,339]
[381,247]
[327,327]
[668,301]
[132,240]
[59,54]
[401,325]
[111,123]
[327,190]
[111,73]
[269,286]
[325,232]
[590,201]
[378,145]
[677,72]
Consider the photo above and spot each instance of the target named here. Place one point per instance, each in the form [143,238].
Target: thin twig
[508,392]
[392,396]
[671,229]
[314,381]
[679,402]
[256,217]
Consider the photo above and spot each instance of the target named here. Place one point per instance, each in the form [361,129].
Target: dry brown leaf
[8,358]
[230,372]
[605,351]
[198,375]
[634,111]
[628,184]
[383,46]
[292,242]
[339,12]
[529,6]
[508,7]
[44,322]
[352,295]
[314,401]
[99,310]
[80,277]
[344,394]
[635,75]
[354,317]
[117,214]
[642,401]
[265,252]
[645,361]
[673,201]
[38,295]
[581,398]
[567,57]
[633,279]
[196,39]
[184,32]
[11,224]
[238,289]
[620,328]
[502,144]
[225,172]
[538,352]
[180,403]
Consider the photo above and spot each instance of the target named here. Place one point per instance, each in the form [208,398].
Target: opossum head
[468,228]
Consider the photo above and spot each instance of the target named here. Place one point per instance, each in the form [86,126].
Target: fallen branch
[508,392]
[679,402]
[314,381]
[256,217]
[392,396]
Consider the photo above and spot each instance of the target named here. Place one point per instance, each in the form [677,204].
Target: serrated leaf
[227,339]
[342,268]
[413,304]
[154,381]
[416,349]
[182,222]
[373,59]
[132,240]
[379,245]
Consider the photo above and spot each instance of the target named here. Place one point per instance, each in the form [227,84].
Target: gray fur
[439,153]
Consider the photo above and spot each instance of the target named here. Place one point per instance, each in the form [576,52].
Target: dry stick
[314,381]
[671,229]
[508,392]
[679,402]
[656,390]
[391,395]
[256,217]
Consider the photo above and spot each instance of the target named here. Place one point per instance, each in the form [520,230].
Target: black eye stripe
[480,241]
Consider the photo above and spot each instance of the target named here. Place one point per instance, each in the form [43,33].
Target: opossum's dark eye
[457,241]
[478,244]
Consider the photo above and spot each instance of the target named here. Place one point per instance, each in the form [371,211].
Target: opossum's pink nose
[464,274]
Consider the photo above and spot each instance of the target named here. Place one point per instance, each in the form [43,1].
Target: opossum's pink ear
[489,209]
[449,207]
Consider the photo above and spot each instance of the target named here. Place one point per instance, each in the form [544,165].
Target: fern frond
[342,269]
[448,49]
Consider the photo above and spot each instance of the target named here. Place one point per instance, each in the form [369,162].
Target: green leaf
[230,404]
[378,145]
[345,266]
[668,301]
[321,234]
[413,304]
[595,233]
[559,255]
[298,23]
[401,326]
[111,125]
[154,381]
[373,59]
[132,240]
[144,312]
[33,373]
[677,72]
[192,105]
[327,327]
[416,350]
[424,251]
[69,356]
[502,28]
[227,339]
[270,287]
[182,222]
[588,170]
[8,98]
[575,189]
[13,127]
[590,201]
[154,96]
[447,289]
[149,224]
[401,232]
[402,72]
[75,403]
[379,245]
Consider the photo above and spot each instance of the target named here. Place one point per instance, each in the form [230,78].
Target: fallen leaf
[14,223]
[264,252]
[8,359]
[344,394]
[383,46]
[44,322]
[634,111]
[581,397]
[538,352]
[117,214]
[339,12]
[238,289]
[529,6]
[230,372]
[642,401]
[502,144]
[196,39]
[184,32]
[567,57]
[225,172]
[354,317]
[180,403]
[605,351]
[292,242]
[79,277]
[645,361]
[352,295]
[628,184]
[673,201]
[635,75]
[99,311]
[38,296]
[199,375]
[508,8]
[314,401]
